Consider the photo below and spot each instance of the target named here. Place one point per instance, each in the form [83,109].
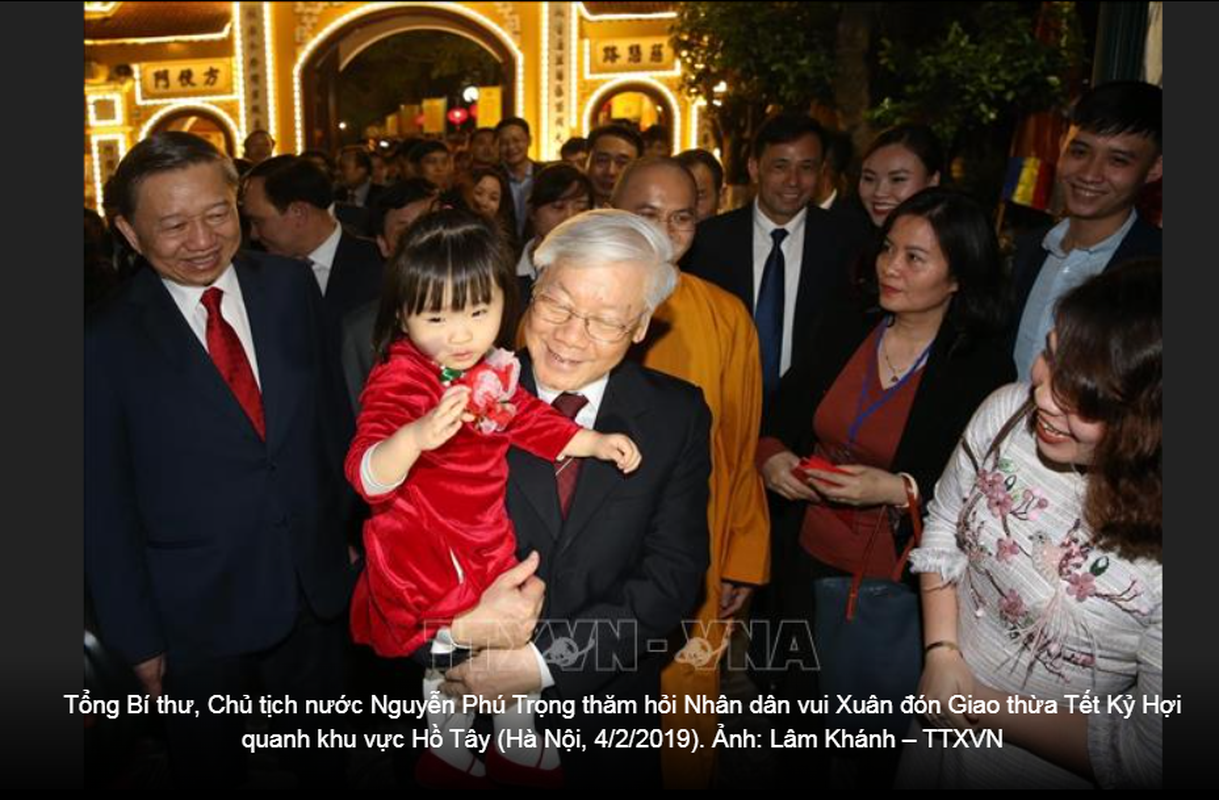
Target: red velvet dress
[452,501]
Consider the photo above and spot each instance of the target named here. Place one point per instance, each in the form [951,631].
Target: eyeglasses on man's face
[555,312]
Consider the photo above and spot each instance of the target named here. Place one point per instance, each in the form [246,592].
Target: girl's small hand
[620,449]
[861,486]
[442,422]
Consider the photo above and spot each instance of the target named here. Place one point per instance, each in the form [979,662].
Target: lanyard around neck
[861,413]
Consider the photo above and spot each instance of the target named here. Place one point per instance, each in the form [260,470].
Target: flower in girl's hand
[492,383]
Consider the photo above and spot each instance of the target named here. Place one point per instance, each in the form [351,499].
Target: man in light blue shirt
[1113,149]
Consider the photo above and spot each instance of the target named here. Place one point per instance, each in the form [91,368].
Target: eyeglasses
[601,330]
[678,220]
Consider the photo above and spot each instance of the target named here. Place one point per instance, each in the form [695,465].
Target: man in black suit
[287,200]
[1113,149]
[624,566]
[215,427]
[785,260]
[356,186]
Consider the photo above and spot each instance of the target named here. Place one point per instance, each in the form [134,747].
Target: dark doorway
[433,54]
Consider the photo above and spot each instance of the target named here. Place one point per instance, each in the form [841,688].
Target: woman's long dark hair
[979,306]
[1107,367]
[505,215]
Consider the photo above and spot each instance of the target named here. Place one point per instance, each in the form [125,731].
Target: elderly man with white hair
[622,556]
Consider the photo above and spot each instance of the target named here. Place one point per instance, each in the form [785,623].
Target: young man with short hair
[1113,149]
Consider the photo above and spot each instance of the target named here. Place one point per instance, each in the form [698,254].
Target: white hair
[609,236]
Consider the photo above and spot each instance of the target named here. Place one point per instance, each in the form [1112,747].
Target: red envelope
[816,462]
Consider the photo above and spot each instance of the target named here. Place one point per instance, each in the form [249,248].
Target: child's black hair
[448,248]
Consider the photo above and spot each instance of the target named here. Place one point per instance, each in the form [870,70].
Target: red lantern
[458,115]
[474,110]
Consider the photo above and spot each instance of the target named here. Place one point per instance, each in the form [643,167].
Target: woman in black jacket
[883,397]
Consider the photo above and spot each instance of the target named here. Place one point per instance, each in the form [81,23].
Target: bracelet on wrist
[943,643]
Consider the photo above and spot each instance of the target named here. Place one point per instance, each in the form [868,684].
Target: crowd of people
[838,405]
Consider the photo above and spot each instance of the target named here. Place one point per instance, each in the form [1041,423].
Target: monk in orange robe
[704,335]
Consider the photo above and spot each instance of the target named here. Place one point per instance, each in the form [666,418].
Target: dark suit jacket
[355,276]
[1143,240]
[356,351]
[848,212]
[958,376]
[723,254]
[628,564]
[357,219]
[201,538]
[375,190]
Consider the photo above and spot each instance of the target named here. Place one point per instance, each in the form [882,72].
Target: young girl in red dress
[438,414]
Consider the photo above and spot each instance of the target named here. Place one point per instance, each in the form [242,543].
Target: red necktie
[230,358]
[567,470]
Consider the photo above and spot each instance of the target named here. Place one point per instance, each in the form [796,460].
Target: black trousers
[310,663]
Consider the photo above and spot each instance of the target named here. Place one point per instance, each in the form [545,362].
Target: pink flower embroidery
[1082,585]
[998,501]
[999,504]
[1074,557]
[1083,660]
[1034,503]
[1011,606]
[1007,549]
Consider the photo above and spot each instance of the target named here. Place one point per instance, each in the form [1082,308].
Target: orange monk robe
[704,335]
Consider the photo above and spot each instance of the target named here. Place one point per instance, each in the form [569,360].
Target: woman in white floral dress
[1041,559]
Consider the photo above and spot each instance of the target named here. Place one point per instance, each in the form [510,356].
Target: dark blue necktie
[768,314]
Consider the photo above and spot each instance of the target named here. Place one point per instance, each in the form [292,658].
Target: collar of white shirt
[189,298]
[323,256]
[595,392]
[794,226]
[829,201]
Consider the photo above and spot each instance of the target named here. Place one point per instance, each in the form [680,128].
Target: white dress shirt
[793,255]
[321,260]
[189,300]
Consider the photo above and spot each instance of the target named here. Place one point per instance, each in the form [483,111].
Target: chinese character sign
[167,80]
[640,54]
